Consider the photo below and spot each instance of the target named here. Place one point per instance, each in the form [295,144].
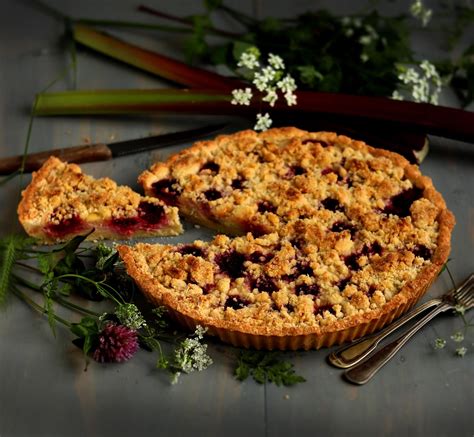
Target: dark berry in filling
[231,263]
[235,302]
[298,170]
[211,166]
[263,283]
[372,249]
[72,225]
[343,283]
[151,213]
[332,204]
[265,206]
[191,250]
[301,268]
[302,289]
[167,190]
[422,251]
[212,194]
[343,226]
[400,204]
[256,229]
[371,291]
[319,309]
[238,183]
[351,261]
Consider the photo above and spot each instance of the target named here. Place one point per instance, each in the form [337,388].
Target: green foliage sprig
[266,367]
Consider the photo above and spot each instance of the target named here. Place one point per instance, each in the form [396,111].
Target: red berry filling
[303,289]
[167,190]
[150,217]
[73,225]
[263,283]
[400,204]
[343,226]
[332,205]
[231,263]
[191,250]
[211,167]
[265,206]
[422,251]
[212,194]
[238,183]
[235,302]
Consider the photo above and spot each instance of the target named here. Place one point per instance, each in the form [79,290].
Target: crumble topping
[332,230]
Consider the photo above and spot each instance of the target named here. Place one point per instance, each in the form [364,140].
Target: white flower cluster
[421,83]
[130,316]
[421,12]
[269,79]
[191,355]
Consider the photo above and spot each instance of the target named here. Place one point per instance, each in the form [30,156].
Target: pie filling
[149,217]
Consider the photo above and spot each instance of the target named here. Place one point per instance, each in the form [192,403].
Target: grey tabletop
[43,387]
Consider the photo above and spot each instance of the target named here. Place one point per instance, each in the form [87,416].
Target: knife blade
[103,152]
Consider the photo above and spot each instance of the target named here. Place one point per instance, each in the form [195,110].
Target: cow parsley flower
[439,343]
[271,97]
[461,351]
[249,59]
[263,122]
[457,337]
[191,355]
[421,12]
[115,343]
[130,316]
[276,62]
[420,83]
[241,97]
[269,79]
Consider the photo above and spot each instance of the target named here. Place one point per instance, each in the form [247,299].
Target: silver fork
[363,372]
[353,353]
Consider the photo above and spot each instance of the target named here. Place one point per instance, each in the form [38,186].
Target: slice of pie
[343,238]
[62,202]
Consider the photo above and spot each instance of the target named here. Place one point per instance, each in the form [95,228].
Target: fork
[363,372]
[353,353]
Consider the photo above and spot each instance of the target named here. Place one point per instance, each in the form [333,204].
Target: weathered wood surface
[43,388]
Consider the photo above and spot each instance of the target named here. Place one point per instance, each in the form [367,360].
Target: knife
[103,152]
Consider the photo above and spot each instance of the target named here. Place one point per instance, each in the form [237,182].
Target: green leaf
[8,261]
[266,367]
[239,48]
[11,248]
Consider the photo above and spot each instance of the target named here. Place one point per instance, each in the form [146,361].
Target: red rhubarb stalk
[147,60]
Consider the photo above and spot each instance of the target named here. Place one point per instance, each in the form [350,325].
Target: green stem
[186,22]
[37,307]
[65,303]
[98,285]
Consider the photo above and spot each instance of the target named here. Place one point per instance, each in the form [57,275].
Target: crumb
[112,137]
[286,397]
[197,227]
[86,140]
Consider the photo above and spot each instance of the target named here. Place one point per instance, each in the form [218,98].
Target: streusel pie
[61,202]
[338,238]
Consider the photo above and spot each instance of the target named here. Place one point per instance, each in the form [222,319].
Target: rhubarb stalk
[147,60]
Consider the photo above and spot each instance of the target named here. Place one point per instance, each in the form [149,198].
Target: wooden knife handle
[77,154]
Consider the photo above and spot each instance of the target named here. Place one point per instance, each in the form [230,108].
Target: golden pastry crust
[61,202]
[356,236]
